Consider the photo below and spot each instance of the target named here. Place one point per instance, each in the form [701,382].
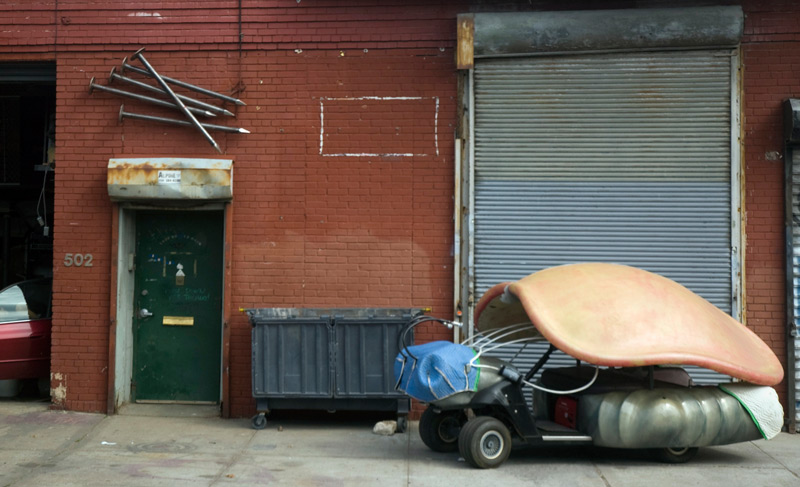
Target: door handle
[143,313]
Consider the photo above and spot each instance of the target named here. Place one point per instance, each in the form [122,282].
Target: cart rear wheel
[484,442]
[439,431]
[674,455]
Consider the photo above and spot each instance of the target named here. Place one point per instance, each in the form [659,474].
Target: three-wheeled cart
[625,328]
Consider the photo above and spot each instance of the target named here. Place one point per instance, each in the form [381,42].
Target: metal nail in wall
[128,67]
[186,99]
[189,107]
[174,121]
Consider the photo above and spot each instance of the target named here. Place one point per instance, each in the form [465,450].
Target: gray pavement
[144,447]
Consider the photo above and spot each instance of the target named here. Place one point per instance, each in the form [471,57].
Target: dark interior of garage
[27,170]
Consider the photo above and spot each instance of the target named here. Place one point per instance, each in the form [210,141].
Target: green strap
[755,421]
[477,370]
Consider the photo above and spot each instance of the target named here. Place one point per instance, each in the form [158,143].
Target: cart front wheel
[439,431]
[675,455]
[485,442]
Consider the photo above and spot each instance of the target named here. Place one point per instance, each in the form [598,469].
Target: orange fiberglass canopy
[620,316]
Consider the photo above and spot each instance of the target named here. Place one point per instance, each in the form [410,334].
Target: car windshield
[25,300]
[12,305]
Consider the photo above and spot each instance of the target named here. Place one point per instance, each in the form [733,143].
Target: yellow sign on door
[178,320]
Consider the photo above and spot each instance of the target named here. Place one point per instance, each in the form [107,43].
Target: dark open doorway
[27,170]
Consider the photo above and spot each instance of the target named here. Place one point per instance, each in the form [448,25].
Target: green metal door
[178,298]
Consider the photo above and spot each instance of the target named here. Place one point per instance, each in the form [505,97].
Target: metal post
[469,275]
[155,101]
[186,99]
[123,114]
[177,100]
[457,314]
[183,84]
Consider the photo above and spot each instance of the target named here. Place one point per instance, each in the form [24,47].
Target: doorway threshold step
[170,410]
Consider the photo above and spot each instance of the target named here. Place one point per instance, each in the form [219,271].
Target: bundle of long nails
[190,107]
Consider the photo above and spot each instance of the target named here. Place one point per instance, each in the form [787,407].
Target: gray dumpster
[329,359]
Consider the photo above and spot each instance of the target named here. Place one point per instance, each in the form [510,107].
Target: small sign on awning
[169,177]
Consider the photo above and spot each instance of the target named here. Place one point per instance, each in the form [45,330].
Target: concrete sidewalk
[39,447]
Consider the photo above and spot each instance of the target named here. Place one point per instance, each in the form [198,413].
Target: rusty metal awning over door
[170,179]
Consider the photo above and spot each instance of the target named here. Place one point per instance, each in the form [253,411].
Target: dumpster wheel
[259,421]
[402,423]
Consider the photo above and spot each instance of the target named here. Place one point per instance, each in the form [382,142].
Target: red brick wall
[82,224]
[312,229]
[80,25]
[771,57]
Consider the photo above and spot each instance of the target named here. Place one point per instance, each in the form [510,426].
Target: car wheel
[484,442]
[439,431]
[674,455]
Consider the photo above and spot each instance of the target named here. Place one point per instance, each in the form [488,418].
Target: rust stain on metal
[466,42]
[149,175]
[133,173]
[170,178]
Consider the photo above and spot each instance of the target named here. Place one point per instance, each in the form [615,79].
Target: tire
[259,421]
[484,442]
[463,444]
[674,455]
[439,431]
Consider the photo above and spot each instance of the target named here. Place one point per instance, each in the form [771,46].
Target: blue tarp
[435,370]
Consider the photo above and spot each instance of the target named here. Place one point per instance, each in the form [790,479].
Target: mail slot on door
[178,321]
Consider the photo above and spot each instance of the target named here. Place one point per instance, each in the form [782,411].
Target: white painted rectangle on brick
[379,126]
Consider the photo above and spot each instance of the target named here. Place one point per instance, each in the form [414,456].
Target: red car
[25,330]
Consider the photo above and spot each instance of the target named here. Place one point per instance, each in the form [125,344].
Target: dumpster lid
[260,314]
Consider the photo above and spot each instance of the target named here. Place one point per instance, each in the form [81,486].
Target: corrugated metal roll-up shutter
[795,272]
[622,157]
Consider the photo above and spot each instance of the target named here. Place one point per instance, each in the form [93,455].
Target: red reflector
[566,412]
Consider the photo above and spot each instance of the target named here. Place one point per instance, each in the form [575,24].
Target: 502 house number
[78,260]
